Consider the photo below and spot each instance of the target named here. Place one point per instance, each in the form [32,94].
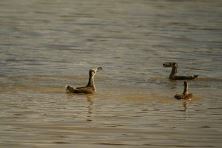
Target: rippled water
[46,44]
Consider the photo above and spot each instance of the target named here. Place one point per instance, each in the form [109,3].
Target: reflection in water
[185,104]
[89,98]
[90,107]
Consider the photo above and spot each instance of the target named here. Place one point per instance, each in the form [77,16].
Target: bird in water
[174,71]
[185,95]
[90,88]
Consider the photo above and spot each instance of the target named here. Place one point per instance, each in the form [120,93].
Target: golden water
[46,44]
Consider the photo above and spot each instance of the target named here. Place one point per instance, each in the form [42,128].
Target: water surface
[46,44]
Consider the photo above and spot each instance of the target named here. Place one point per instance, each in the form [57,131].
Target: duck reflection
[90,100]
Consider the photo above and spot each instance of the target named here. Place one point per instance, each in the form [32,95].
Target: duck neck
[185,91]
[91,82]
[173,71]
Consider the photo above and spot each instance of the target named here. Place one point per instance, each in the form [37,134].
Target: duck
[173,75]
[90,88]
[185,95]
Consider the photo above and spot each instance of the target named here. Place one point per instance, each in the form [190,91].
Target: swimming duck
[185,95]
[90,88]
[174,71]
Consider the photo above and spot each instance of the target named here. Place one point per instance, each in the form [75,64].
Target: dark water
[46,44]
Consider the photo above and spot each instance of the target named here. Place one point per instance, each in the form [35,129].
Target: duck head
[170,64]
[92,72]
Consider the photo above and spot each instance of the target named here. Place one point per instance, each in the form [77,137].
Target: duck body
[183,77]
[80,90]
[183,97]
[173,72]
[90,88]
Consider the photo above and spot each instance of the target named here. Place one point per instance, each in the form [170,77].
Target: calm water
[46,44]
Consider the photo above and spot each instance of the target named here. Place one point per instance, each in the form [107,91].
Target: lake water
[46,44]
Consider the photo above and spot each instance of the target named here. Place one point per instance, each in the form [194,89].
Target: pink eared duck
[174,71]
[90,88]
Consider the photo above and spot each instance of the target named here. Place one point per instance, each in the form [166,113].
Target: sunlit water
[46,44]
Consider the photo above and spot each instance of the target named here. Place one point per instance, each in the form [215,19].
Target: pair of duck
[90,88]
[185,95]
